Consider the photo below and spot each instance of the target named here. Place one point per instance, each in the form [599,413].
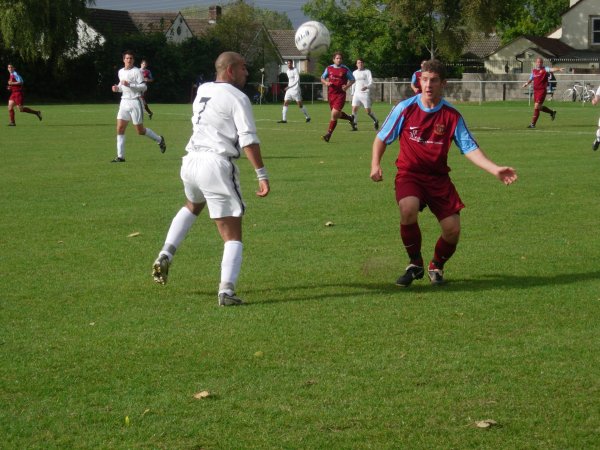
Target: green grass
[348,359]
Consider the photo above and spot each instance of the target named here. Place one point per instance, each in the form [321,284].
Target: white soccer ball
[312,37]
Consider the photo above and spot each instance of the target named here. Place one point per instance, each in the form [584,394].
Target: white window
[596,31]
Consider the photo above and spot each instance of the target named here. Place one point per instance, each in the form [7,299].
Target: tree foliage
[531,17]
[242,29]
[35,28]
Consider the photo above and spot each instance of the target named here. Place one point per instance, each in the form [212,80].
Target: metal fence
[568,88]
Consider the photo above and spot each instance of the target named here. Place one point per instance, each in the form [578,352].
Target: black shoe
[150,114]
[553,115]
[12,124]
[531,125]
[595,145]
[282,121]
[354,127]
[326,137]
[162,145]
[307,119]
[412,273]
[39,115]
[117,159]
[436,275]
[376,125]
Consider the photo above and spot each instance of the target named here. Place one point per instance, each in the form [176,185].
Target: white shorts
[131,111]
[292,95]
[214,179]
[363,99]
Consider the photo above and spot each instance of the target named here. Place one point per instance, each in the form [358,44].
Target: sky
[293,8]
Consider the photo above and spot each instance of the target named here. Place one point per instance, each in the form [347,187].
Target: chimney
[214,14]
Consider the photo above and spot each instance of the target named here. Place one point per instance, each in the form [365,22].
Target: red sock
[536,115]
[345,116]
[332,125]
[29,110]
[546,110]
[11,115]
[411,238]
[443,251]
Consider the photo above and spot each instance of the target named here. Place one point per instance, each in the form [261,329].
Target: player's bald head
[227,59]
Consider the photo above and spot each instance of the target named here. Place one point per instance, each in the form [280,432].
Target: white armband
[262,174]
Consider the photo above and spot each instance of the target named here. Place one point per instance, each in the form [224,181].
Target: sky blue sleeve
[392,126]
[463,138]
[325,74]
[413,80]
[18,78]
[350,75]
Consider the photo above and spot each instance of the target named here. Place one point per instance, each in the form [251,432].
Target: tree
[40,28]
[361,29]
[242,29]
[531,17]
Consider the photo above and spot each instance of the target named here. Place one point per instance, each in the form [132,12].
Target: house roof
[482,45]
[286,44]
[552,47]
[198,27]
[148,22]
[108,21]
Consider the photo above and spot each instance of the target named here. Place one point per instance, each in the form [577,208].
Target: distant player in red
[539,76]
[426,125]
[338,78]
[148,78]
[15,86]
[415,81]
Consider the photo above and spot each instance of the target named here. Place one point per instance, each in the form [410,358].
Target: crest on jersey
[439,129]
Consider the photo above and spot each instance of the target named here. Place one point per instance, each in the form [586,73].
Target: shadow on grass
[297,293]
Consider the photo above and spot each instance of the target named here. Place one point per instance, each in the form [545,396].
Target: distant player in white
[292,93]
[595,101]
[223,125]
[361,93]
[132,86]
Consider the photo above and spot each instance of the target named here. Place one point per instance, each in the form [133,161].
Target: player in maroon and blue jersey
[415,81]
[539,76]
[338,78]
[15,86]
[426,125]
[148,78]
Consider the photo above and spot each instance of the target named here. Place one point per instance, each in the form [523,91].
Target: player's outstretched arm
[377,153]
[506,174]
[254,156]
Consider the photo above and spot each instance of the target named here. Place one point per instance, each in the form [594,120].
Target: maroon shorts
[539,96]
[436,192]
[337,100]
[16,97]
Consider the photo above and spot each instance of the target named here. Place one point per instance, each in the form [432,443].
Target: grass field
[328,353]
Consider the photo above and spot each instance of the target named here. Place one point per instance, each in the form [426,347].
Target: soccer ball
[312,37]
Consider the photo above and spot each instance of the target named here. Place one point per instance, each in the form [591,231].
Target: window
[596,31]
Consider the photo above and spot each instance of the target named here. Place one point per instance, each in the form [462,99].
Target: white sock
[121,146]
[230,266]
[180,226]
[284,113]
[152,135]
[598,134]
[305,111]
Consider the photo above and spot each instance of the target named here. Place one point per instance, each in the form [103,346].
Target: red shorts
[16,97]
[539,96]
[436,192]
[336,100]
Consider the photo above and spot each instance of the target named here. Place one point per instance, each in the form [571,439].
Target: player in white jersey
[132,86]
[223,125]
[361,93]
[595,101]
[292,93]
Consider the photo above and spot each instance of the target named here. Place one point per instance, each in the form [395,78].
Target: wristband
[262,174]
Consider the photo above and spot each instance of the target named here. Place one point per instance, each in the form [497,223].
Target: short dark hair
[128,52]
[435,66]
[338,53]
